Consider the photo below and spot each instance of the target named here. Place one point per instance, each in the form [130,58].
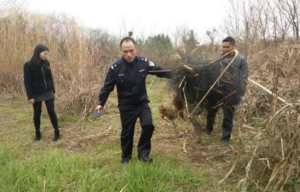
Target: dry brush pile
[270,162]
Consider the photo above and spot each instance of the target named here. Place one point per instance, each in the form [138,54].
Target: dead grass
[264,151]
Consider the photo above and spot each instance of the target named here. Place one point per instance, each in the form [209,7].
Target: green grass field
[87,158]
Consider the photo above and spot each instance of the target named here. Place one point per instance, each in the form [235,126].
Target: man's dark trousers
[129,116]
[228,112]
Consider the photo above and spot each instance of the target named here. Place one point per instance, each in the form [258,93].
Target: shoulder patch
[151,64]
[115,65]
[143,59]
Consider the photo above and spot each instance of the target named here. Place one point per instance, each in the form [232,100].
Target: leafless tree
[263,13]
[7,4]
[290,10]
[212,34]
[233,22]
[281,25]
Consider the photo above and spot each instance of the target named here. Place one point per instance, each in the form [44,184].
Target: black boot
[38,135]
[56,135]
[125,160]
[145,158]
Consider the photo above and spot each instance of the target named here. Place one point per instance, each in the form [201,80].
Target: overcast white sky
[148,17]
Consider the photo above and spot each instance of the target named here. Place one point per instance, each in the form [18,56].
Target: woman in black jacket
[39,87]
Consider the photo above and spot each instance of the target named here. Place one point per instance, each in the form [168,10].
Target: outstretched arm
[159,71]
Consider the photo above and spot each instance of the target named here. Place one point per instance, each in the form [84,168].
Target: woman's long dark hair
[35,59]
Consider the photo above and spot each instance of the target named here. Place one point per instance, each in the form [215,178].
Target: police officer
[129,75]
[240,65]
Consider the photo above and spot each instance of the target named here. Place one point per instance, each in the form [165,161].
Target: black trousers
[129,116]
[228,112]
[37,108]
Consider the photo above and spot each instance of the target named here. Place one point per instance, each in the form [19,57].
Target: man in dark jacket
[240,66]
[129,75]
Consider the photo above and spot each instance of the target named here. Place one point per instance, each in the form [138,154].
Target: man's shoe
[208,132]
[125,160]
[225,143]
[145,158]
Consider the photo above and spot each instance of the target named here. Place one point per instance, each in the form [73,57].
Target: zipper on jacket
[44,78]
